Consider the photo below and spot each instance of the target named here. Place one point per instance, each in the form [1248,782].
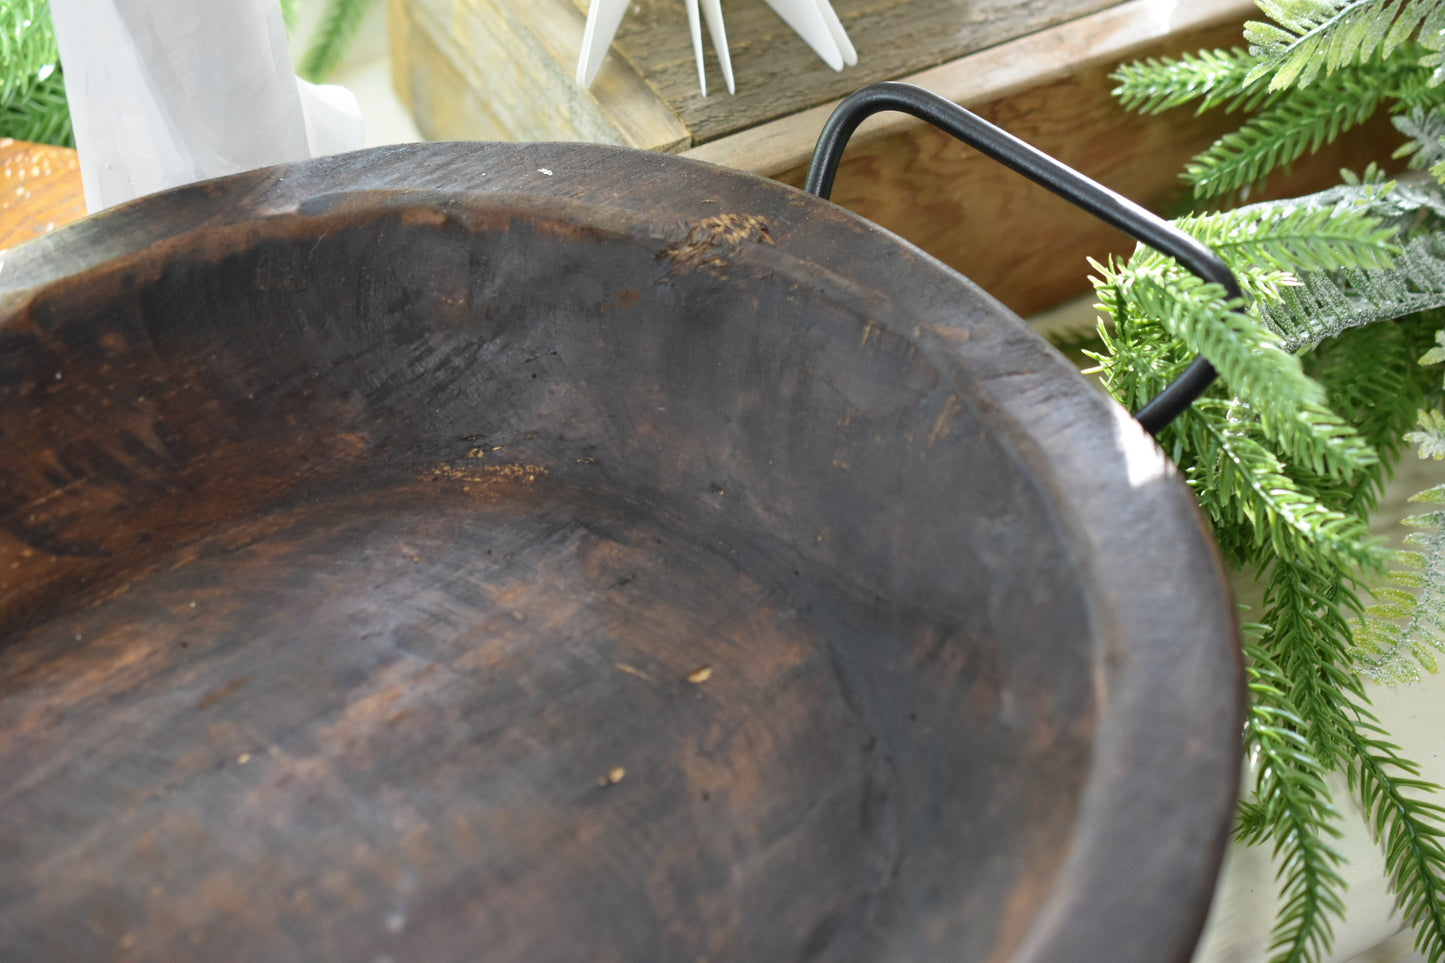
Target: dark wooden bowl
[550,552]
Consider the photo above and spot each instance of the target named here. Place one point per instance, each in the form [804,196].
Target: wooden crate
[515,61]
[503,70]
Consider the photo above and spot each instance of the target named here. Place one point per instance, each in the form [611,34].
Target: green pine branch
[1311,640]
[1408,828]
[1347,282]
[27,47]
[1297,237]
[42,116]
[1208,79]
[1373,384]
[1300,121]
[1288,793]
[1258,242]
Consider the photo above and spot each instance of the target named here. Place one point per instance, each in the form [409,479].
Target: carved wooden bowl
[550,552]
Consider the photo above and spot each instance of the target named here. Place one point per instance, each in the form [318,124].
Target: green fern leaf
[1426,145]
[1323,233]
[1403,630]
[1287,490]
[1430,436]
[1324,305]
[1288,405]
[1373,384]
[1313,38]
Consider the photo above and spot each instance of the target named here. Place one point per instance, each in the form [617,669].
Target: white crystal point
[817,23]
[712,12]
[814,20]
[694,27]
[603,18]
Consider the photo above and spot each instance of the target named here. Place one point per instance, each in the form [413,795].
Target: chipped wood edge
[1052,54]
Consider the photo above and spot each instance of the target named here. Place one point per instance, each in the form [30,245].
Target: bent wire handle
[1042,169]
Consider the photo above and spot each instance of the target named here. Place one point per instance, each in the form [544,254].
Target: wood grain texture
[500,69]
[1051,88]
[778,75]
[1112,36]
[371,518]
[1016,240]
[40,190]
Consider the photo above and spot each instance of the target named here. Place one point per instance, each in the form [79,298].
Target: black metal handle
[1142,225]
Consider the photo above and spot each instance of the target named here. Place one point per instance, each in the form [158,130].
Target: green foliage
[1289,792]
[1323,305]
[1426,146]
[1319,393]
[339,23]
[1373,384]
[1409,828]
[32,88]
[1302,120]
[1431,436]
[1308,37]
[1213,78]
[1405,628]
[1320,233]
[290,14]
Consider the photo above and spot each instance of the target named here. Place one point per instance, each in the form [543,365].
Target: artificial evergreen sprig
[1396,802]
[1212,78]
[1289,791]
[1285,404]
[1301,120]
[1325,305]
[1352,296]
[1426,146]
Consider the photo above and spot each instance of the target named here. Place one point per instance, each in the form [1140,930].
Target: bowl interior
[407,575]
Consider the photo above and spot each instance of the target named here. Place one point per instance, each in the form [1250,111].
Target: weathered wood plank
[778,75]
[1020,243]
[502,69]
[498,70]
[1122,32]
